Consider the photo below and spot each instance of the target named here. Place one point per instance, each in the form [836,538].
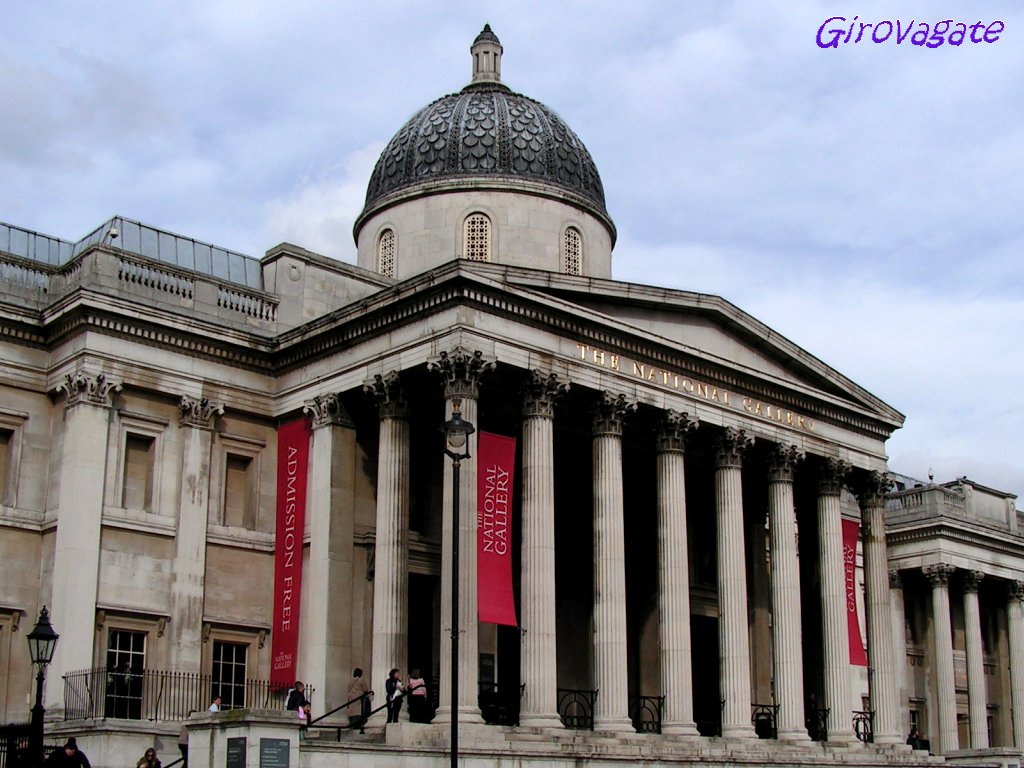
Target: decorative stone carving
[730,445]
[461,370]
[972,580]
[387,390]
[610,413]
[327,410]
[673,430]
[895,580]
[540,393]
[198,411]
[832,476]
[1015,591]
[939,573]
[872,488]
[782,460]
[97,390]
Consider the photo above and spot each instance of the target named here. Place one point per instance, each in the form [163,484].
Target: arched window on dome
[572,252]
[476,238]
[386,253]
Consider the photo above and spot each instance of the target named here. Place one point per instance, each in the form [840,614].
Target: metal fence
[646,713]
[576,708]
[161,695]
[14,746]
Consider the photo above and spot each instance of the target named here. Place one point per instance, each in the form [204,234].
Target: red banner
[496,456]
[851,534]
[292,464]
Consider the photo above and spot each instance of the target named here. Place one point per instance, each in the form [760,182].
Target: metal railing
[817,724]
[646,713]
[358,722]
[14,746]
[765,718]
[864,725]
[160,694]
[576,708]
[499,705]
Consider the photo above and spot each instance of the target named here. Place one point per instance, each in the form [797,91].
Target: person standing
[215,704]
[395,690]
[149,760]
[69,757]
[416,689]
[359,697]
[296,697]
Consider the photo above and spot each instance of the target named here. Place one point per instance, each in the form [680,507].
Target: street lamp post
[42,641]
[457,432]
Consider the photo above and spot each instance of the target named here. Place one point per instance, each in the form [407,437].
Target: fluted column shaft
[733,638]
[538,667]
[884,680]
[835,633]
[976,695]
[1015,622]
[945,691]
[899,644]
[674,577]
[611,711]
[787,621]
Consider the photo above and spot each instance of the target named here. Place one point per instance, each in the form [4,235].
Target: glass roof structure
[141,240]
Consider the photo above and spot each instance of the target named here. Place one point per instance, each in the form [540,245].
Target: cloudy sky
[859,200]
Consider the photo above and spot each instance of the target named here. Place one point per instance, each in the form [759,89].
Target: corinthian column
[460,371]
[327,655]
[899,643]
[76,563]
[391,541]
[884,680]
[945,692]
[189,568]
[835,633]
[733,638]
[674,576]
[538,669]
[976,695]
[611,712]
[1015,621]
[786,612]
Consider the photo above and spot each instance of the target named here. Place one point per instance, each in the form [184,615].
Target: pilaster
[733,639]
[674,575]
[945,692]
[326,661]
[79,518]
[538,668]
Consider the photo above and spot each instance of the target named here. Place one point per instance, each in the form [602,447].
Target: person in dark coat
[68,757]
[395,690]
[296,697]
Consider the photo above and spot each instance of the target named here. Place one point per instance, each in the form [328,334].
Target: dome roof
[486,135]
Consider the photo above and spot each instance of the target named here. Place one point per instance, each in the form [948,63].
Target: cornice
[944,529]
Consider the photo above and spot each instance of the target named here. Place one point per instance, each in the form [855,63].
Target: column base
[614,725]
[679,729]
[889,738]
[537,720]
[467,714]
[794,735]
[742,731]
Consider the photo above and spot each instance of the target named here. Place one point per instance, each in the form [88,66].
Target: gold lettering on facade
[614,365]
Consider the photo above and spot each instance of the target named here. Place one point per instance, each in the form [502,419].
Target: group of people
[396,690]
[70,756]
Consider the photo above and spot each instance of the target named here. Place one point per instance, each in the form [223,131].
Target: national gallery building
[674,538]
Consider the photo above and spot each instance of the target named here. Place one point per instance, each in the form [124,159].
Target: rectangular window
[137,488]
[228,673]
[239,509]
[126,662]
[6,444]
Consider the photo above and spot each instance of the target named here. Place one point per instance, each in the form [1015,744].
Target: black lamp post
[457,431]
[42,641]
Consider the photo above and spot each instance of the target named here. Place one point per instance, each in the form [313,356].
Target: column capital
[540,393]
[327,411]
[730,445]
[1015,591]
[198,412]
[609,413]
[832,476]
[387,390]
[872,487]
[895,580]
[96,390]
[782,460]
[972,580]
[938,573]
[673,429]
[460,371]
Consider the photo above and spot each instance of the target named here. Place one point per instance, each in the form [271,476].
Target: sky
[857,199]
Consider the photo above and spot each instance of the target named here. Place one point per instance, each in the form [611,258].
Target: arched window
[476,240]
[386,253]
[572,252]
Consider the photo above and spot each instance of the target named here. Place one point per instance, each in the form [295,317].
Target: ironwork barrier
[646,713]
[765,718]
[499,705]
[576,708]
[14,746]
[864,725]
[817,724]
[161,695]
[364,701]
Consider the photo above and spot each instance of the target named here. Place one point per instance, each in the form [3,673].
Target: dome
[486,136]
